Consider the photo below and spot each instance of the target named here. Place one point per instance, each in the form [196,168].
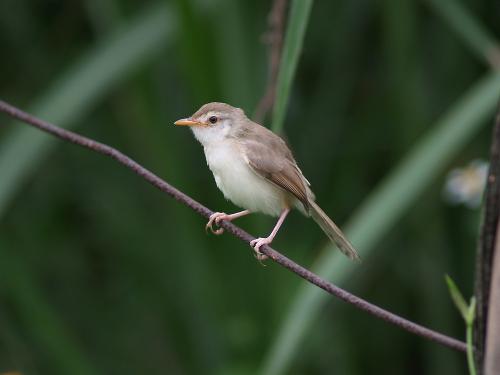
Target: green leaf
[383,208]
[457,297]
[294,38]
[471,311]
[78,91]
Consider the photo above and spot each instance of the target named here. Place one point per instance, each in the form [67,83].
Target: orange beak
[189,122]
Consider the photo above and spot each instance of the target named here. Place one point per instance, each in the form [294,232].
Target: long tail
[333,232]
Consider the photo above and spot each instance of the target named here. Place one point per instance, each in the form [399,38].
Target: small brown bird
[254,168]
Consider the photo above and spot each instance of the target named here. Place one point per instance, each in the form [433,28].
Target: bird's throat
[210,136]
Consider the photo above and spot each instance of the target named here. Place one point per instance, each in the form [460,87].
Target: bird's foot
[257,243]
[217,217]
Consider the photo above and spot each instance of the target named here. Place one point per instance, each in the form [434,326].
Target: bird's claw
[256,244]
[216,217]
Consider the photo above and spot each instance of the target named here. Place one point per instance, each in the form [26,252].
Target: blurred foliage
[101,273]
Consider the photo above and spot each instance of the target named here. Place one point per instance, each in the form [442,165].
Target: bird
[255,169]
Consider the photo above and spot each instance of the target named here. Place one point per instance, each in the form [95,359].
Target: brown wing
[268,155]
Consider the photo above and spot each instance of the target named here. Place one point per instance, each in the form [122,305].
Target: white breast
[239,183]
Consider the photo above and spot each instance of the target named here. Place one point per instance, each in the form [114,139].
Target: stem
[487,283]
[274,37]
[470,349]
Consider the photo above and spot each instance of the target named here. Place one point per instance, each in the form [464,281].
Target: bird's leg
[218,216]
[258,242]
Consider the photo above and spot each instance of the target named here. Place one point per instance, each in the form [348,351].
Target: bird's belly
[241,185]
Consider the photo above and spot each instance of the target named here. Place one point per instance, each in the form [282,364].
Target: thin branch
[156,181]
[274,38]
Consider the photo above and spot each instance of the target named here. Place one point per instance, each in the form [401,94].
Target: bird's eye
[213,119]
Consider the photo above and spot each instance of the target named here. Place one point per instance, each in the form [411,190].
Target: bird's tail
[333,232]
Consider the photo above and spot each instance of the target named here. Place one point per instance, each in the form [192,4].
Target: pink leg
[218,216]
[258,242]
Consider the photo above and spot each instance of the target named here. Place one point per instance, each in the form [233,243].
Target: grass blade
[466,26]
[77,91]
[296,29]
[383,208]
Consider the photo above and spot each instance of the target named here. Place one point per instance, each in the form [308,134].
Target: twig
[487,327]
[274,38]
[156,181]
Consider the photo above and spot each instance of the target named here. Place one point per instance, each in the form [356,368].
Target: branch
[282,260]
[487,292]
[274,38]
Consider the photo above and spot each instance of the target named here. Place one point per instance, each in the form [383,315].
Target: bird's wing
[268,155]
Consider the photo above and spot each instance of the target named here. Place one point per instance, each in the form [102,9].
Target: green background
[100,273]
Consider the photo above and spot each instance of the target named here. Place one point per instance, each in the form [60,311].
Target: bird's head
[214,121]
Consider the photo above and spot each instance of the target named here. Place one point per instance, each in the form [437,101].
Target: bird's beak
[189,122]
